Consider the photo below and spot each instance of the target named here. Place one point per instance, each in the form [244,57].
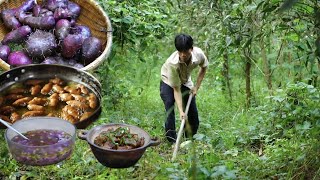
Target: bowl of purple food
[50,140]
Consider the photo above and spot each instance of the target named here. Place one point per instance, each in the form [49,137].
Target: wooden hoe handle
[183,122]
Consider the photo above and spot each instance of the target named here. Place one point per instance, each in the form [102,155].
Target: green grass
[144,109]
[230,144]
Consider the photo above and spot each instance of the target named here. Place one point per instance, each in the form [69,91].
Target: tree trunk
[247,53]
[225,74]
[266,68]
[314,79]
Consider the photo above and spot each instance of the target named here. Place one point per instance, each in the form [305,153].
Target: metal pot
[48,71]
[117,158]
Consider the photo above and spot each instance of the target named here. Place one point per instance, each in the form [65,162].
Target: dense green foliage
[274,136]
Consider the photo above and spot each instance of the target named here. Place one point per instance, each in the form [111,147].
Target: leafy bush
[295,109]
[286,132]
[136,19]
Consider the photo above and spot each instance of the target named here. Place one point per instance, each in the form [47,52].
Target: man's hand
[201,74]
[183,115]
[194,91]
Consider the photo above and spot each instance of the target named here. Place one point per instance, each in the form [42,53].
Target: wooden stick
[183,122]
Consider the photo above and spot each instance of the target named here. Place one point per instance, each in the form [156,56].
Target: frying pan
[48,71]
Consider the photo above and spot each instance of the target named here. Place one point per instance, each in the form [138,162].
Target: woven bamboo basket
[92,15]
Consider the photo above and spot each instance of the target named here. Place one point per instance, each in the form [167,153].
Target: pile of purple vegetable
[47,33]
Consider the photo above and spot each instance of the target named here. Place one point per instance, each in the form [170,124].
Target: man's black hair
[183,42]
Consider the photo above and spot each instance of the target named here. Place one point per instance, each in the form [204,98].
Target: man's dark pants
[167,96]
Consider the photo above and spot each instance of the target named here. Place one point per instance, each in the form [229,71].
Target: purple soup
[43,147]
